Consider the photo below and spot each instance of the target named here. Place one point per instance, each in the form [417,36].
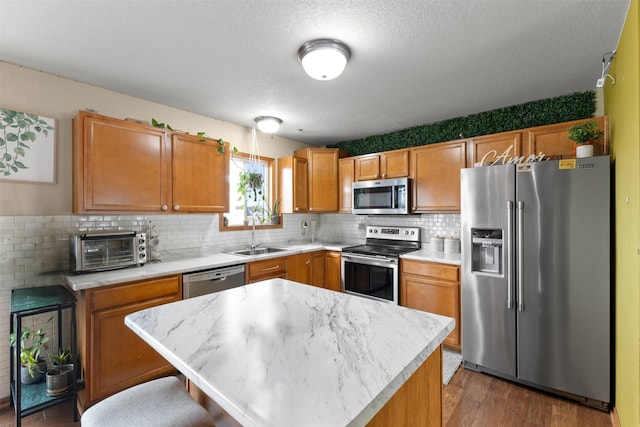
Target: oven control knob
[406,231]
[142,255]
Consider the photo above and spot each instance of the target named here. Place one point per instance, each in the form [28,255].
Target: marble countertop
[280,353]
[432,256]
[194,260]
[187,262]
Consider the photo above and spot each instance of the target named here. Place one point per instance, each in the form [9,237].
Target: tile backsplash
[35,249]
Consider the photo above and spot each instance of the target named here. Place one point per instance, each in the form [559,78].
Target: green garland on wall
[576,106]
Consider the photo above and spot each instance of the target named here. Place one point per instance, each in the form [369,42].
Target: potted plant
[274,215]
[61,376]
[584,135]
[32,342]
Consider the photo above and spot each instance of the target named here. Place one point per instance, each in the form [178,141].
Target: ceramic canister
[452,246]
[437,244]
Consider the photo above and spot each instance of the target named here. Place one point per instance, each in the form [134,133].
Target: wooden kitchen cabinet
[553,140]
[478,148]
[435,170]
[112,357]
[346,171]
[385,165]
[435,288]
[119,165]
[333,265]
[308,268]
[292,184]
[125,166]
[199,175]
[322,167]
[271,268]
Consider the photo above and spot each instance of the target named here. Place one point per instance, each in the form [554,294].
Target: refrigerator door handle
[520,233]
[509,251]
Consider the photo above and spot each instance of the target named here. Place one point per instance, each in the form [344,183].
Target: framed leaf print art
[27,147]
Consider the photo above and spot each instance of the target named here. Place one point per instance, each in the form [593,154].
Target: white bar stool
[157,403]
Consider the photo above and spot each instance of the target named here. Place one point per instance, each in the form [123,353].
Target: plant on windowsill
[32,342]
[274,215]
[585,135]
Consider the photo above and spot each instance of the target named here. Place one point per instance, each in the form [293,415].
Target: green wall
[622,105]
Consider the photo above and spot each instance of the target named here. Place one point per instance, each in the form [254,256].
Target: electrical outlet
[600,82]
[362,226]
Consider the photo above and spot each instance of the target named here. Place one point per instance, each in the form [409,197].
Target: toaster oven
[100,251]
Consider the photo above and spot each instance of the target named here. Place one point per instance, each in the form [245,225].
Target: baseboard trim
[615,419]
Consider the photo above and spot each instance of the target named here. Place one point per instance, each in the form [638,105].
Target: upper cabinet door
[292,184]
[367,167]
[553,140]
[492,146]
[435,170]
[345,181]
[119,165]
[199,175]
[394,164]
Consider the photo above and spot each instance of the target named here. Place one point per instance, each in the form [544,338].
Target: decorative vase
[584,150]
[38,373]
[59,379]
[275,219]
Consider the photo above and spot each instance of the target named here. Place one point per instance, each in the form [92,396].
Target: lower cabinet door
[437,297]
[120,358]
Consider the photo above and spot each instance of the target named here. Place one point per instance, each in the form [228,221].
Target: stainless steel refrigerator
[536,295]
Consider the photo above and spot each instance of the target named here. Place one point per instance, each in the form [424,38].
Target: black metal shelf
[28,399]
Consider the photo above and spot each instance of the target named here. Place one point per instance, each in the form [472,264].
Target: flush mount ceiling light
[324,59]
[268,124]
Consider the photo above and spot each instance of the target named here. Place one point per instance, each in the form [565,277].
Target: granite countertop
[280,353]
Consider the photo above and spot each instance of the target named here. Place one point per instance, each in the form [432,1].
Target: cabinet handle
[310,209]
[384,175]
[176,208]
[297,209]
[308,261]
[271,268]
[164,207]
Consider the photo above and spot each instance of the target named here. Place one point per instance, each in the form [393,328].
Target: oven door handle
[363,259]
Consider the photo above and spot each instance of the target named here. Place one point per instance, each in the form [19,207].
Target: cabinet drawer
[430,269]
[267,268]
[135,292]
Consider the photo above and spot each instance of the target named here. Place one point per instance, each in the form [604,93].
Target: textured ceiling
[413,61]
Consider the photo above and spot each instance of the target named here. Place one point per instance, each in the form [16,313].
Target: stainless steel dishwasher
[210,281]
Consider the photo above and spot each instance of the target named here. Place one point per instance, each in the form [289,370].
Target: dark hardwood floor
[474,399]
[470,399]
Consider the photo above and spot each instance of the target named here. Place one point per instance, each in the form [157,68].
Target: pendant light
[268,124]
[324,59]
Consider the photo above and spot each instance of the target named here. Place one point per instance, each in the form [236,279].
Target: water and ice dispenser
[486,250]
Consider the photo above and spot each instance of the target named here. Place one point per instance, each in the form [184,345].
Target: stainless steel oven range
[372,270]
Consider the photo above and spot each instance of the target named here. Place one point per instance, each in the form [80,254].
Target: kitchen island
[280,353]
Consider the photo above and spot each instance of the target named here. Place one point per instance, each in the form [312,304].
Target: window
[251,190]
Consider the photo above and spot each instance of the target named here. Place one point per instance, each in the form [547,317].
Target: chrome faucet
[253,233]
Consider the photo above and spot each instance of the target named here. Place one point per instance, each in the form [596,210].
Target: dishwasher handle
[213,275]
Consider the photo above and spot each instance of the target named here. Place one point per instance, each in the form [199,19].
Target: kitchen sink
[256,251]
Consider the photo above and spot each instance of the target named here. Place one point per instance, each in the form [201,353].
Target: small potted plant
[61,376]
[584,135]
[32,342]
[274,214]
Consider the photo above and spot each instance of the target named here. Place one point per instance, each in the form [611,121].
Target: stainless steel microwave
[381,197]
[100,251]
